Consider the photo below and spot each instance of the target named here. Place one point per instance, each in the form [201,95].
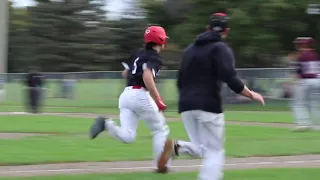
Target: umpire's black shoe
[97,127]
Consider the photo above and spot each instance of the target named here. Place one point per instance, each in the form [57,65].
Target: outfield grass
[253,116]
[261,174]
[242,141]
[104,94]
[10,108]
[61,124]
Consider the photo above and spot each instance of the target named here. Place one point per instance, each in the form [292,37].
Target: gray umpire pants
[306,102]
[206,132]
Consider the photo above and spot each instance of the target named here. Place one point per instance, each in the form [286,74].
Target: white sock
[190,149]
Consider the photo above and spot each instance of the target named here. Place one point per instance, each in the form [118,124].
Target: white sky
[114,6]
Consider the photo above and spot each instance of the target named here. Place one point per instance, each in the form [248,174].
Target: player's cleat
[302,128]
[162,171]
[170,149]
[176,148]
[97,127]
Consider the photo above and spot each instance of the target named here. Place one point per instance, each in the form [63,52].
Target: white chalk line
[151,167]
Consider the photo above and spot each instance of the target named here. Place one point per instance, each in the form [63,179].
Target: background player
[307,86]
[140,99]
[206,63]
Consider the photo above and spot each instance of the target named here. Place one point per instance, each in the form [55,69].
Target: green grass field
[70,142]
[65,139]
[254,116]
[264,174]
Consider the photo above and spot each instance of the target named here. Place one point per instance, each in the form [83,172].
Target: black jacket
[34,80]
[205,65]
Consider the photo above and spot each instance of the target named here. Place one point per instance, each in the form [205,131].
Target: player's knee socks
[159,138]
[190,148]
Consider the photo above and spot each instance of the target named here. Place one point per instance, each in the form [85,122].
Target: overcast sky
[114,6]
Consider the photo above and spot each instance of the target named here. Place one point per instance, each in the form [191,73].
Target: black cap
[219,22]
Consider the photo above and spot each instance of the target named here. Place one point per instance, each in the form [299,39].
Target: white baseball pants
[135,104]
[306,99]
[206,133]
[2,95]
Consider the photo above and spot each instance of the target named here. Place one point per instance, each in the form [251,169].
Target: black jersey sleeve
[130,60]
[226,70]
[154,64]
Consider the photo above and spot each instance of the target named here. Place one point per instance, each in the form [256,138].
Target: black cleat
[176,148]
[97,127]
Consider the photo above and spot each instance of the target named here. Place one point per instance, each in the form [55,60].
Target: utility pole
[4,24]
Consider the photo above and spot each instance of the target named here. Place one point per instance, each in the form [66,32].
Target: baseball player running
[307,85]
[140,98]
[206,63]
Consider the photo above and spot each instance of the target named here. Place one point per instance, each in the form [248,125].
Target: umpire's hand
[258,97]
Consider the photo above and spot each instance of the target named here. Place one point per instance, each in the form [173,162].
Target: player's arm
[228,74]
[148,80]
[294,64]
[126,63]
[148,76]
[126,67]
[124,73]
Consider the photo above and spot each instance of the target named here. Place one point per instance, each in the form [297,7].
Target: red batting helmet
[155,34]
[309,41]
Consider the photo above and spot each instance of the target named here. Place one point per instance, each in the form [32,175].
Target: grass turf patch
[110,106]
[62,124]
[273,117]
[21,121]
[259,174]
[241,141]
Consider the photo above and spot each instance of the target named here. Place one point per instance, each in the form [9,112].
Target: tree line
[73,35]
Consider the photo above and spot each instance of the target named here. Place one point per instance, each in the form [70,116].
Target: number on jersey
[135,66]
[144,66]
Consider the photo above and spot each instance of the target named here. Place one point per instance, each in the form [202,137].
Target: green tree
[165,13]
[70,35]
[94,43]
[261,30]
[18,39]
[129,30]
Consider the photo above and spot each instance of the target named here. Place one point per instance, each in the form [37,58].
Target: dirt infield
[306,161]
[19,135]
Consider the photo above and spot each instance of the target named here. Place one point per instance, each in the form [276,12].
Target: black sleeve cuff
[299,71]
[235,84]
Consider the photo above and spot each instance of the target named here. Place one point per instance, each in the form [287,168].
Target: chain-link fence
[102,89]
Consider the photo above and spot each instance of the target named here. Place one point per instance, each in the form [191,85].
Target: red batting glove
[160,103]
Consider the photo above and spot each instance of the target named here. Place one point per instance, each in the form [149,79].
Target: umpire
[34,82]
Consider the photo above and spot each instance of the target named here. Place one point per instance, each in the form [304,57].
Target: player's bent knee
[163,131]
[129,140]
